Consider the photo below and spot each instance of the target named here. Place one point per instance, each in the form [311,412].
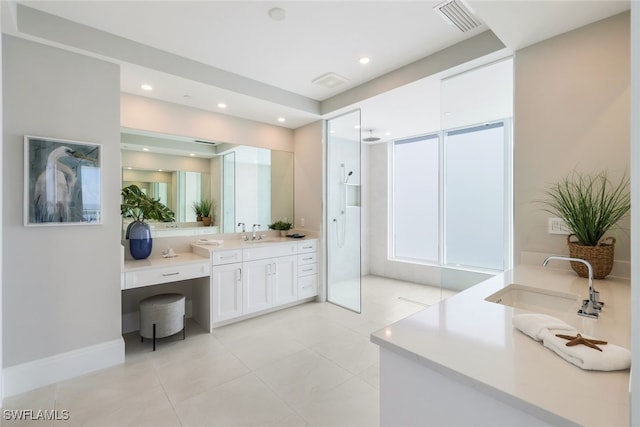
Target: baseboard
[39,373]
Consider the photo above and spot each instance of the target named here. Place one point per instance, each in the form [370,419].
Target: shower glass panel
[343,211]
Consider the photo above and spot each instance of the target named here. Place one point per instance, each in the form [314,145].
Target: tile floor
[309,365]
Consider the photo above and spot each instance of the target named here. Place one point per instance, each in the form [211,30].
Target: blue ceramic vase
[140,242]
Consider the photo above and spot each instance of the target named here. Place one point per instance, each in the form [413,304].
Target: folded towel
[213,242]
[611,358]
[533,324]
[542,327]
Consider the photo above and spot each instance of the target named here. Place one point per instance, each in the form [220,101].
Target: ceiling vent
[329,80]
[456,12]
[201,141]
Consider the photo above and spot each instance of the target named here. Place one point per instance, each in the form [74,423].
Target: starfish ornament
[579,339]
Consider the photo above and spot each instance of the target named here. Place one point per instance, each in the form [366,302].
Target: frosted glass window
[415,198]
[474,214]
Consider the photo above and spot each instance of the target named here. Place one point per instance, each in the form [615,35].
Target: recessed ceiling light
[356,127]
[387,133]
[222,105]
[448,113]
[281,119]
[145,149]
[159,170]
[277,14]
[146,87]
[191,154]
[364,60]
[129,167]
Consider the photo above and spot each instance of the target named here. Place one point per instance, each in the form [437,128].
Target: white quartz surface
[473,341]
[182,258]
[230,244]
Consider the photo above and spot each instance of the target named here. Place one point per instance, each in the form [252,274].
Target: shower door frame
[326,225]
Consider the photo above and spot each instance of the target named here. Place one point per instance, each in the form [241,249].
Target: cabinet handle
[307,247]
[307,269]
[275,268]
[239,270]
[228,256]
[171,274]
[307,258]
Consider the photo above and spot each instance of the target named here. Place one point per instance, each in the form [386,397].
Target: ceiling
[202,53]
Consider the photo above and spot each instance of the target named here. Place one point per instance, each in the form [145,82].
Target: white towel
[542,327]
[213,242]
[611,358]
[533,324]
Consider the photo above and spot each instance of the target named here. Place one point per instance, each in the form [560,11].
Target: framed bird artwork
[62,181]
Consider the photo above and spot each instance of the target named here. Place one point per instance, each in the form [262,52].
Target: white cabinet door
[226,298]
[285,279]
[256,285]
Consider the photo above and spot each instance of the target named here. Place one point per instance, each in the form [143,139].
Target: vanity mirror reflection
[247,184]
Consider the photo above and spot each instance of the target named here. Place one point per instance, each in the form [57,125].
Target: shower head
[371,138]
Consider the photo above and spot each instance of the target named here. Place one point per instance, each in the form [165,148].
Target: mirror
[248,185]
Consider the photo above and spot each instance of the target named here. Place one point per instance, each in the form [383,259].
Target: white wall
[308,176]
[572,96]
[61,284]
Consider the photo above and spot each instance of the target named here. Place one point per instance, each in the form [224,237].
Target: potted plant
[282,226]
[202,210]
[590,205]
[140,207]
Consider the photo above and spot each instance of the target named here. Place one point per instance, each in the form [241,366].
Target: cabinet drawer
[156,276]
[307,286]
[308,246]
[309,258]
[268,251]
[226,257]
[306,270]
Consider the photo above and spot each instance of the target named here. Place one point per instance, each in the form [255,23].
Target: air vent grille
[329,80]
[455,12]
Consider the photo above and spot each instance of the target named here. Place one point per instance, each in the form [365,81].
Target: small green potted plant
[202,210]
[140,207]
[590,205]
[282,226]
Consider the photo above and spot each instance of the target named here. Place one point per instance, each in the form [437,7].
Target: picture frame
[62,182]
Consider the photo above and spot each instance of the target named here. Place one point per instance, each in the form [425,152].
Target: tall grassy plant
[589,204]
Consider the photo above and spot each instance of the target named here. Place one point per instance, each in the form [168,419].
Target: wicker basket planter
[600,257]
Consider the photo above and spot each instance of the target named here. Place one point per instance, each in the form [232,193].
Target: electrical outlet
[558,226]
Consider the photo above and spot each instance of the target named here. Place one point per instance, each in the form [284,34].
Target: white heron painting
[62,182]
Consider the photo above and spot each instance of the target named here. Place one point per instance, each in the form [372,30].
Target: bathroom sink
[534,299]
[263,240]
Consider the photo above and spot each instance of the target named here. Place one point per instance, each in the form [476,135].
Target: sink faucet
[242,224]
[253,231]
[590,307]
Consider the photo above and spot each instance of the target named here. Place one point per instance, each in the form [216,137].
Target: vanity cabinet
[260,277]
[226,285]
[307,269]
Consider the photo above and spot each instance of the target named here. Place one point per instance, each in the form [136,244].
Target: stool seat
[161,316]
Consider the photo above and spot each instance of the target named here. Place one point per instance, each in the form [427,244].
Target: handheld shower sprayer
[348,176]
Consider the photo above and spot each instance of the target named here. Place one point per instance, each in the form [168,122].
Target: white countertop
[473,341]
[231,244]
[182,258]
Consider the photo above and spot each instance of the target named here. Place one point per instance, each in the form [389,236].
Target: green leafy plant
[589,204]
[281,225]
[202,208]
[140,207]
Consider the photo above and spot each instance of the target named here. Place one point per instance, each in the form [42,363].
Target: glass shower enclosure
[343,210]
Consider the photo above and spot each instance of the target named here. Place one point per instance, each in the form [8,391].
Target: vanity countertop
[183,258]
[232,244]
[473,341]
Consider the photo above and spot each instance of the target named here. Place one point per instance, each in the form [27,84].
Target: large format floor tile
[309,365]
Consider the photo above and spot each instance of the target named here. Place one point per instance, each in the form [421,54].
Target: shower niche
[352,195]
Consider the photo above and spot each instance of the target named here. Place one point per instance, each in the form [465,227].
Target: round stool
[161,316]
